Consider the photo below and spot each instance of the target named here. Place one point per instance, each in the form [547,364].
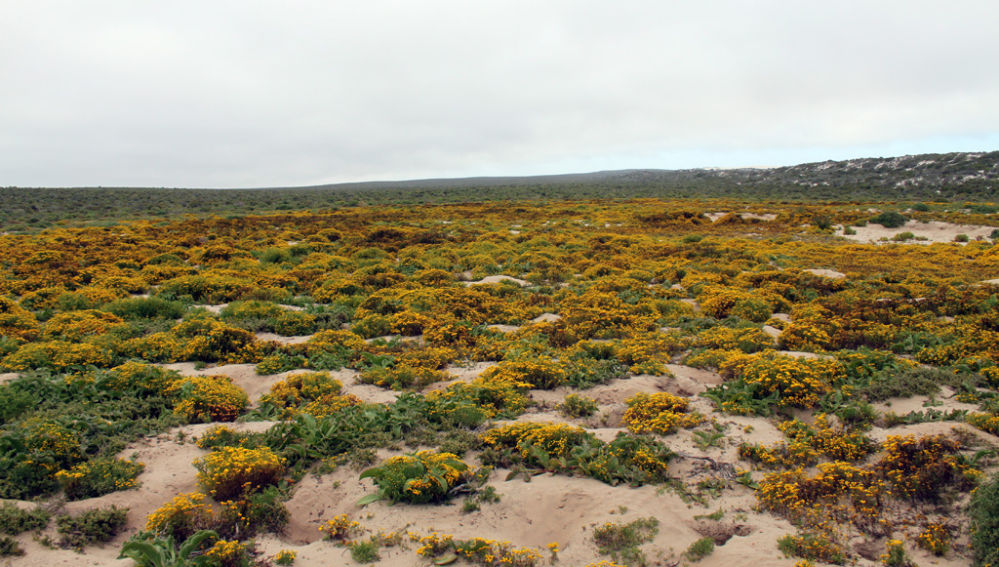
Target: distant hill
[959,175]
[928,177]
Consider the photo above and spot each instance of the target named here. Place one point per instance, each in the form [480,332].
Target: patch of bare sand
[547,318]
[694,305]
[931,428]
[504,328]
[716,216]
[246,378]
[693,380]
[547,509]
[281,339]
[930,232]
[8,376]
[498,279]
[824,273]
[944,402]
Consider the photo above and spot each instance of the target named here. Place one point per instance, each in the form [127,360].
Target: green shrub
[9,547]
[903,236]
[364,551]
[622,541]
[961,238]
[93,526]
[889,219]
[99,476]
[700,549]
[984,513]
[812,547]
[903,383]
[14,520]
[280,362]
[294,323]
[575,405]
[146,308]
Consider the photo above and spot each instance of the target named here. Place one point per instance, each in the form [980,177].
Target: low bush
[623,541]
[574,405]
[14,520]
[661,413]
[419,478]
[233,472]
[207,398]
[984,513]
[93,526]
[99,476]
[889,219]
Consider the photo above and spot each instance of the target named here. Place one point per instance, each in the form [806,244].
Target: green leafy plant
[148,550]
[422,477]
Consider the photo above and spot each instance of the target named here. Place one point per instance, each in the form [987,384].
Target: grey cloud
[261,93]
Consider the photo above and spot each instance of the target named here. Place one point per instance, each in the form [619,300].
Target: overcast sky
[256,93]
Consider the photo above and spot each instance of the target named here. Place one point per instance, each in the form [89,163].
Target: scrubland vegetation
[437,355]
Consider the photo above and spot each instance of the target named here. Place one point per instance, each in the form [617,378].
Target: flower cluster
[207,398]
[231,472]
[661,413]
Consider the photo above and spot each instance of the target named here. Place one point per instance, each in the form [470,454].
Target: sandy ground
[930,232]
[498,279]
[546,509]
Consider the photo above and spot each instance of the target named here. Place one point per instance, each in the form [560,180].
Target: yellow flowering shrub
[76,325]
[408,323]
[806,443]
[403,376]
[299,389]
[984,421]
[935,538]
[425,476]
[543,373]
[139,377]
[99,476]
[340,529]
[181,517]
[211,340]
[920,468]
[433,358]
[555,439]
[475,401]
[56,354]
[231,472]
[328,404]
[661,413]
[154,347]
[227,553]
[207,398]
[15,321]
